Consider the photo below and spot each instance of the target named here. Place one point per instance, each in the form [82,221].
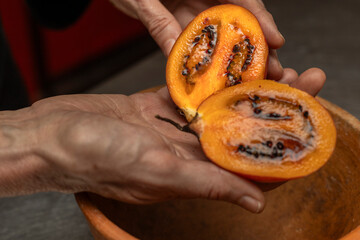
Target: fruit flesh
[221,47]
[265,131]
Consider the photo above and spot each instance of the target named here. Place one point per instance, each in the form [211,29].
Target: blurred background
[107,52]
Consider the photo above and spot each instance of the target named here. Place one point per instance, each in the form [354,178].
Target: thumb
[206,180]
[161,24]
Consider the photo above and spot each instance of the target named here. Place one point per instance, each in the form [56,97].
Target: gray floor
[324,34]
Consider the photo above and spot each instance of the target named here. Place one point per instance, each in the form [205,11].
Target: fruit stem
[185,128]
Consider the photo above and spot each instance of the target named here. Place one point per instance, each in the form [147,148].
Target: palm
[138,110]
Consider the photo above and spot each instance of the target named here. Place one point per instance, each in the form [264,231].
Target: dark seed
[255,98]
[274,115]
[237,82]
[248,150]
[209,51]
[269,144]
[196,39]
[211,44]
[247,40]
[228,68]
[211,35]
[274,152]
[241,148]
[280,145]
[256,154]
[211,26]
[236,48]
[185,72]
[197,66]
[300,108]
[306,114]
[257,110]
[252,47]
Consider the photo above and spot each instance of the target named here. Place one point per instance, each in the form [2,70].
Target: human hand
[113,145]
[165,20]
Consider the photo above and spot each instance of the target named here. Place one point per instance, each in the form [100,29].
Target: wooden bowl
[322,206]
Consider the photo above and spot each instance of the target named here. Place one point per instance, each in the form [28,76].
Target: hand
[166,19]
[113,145]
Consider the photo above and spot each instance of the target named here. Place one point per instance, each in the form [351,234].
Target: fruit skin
[217,125]
[234,24]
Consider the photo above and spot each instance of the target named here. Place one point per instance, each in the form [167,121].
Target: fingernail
[250,204]
[169,46]
[282,37]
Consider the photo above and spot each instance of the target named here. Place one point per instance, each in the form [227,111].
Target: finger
[289,76]
[275,70]
[160,23]
[310,81]
[125,6]
[266,20]
[206,180]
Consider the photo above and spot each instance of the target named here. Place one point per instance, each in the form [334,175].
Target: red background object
[101,29]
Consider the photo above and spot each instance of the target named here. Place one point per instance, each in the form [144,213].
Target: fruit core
[239,61]
[273,129]
[201,50]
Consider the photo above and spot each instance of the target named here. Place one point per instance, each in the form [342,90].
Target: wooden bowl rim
[111,231]
[99,221]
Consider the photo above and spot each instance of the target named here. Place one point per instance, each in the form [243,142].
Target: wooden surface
[322,206]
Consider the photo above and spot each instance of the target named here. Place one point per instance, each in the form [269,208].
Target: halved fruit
[265,131]
[223,46]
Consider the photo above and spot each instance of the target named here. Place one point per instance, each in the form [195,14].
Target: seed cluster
[239,62]
[268,116]
[212,35]
[271,148]
[201,50]
[275,147]
[250,49]
[271,151]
